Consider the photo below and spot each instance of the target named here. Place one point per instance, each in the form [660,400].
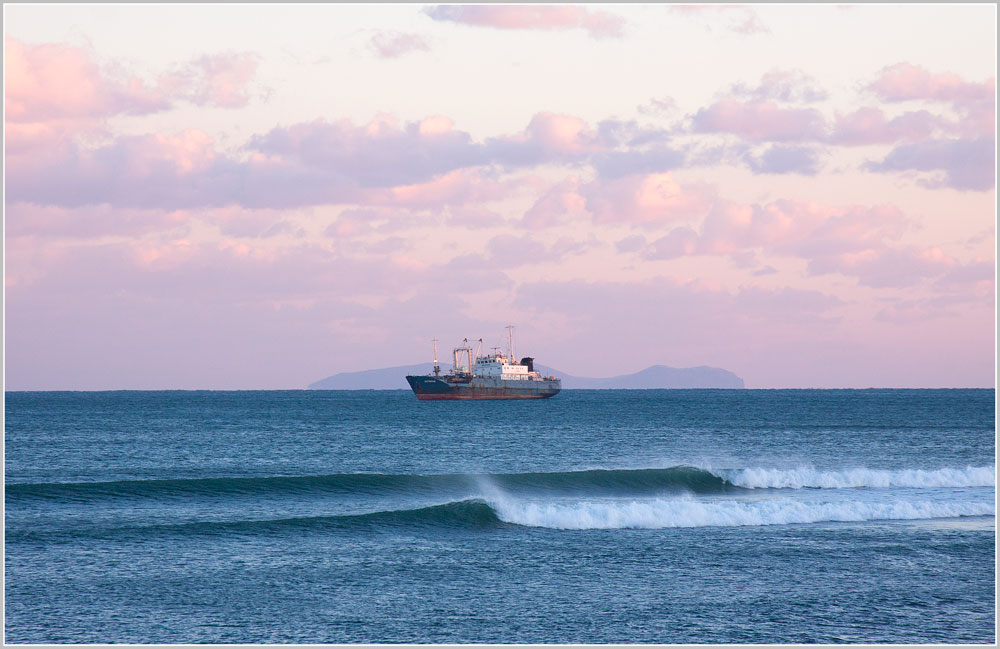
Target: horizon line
[307,389]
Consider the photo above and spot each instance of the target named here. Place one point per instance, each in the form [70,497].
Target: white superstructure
[499,366]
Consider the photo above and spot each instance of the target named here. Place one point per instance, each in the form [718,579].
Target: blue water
[646,516]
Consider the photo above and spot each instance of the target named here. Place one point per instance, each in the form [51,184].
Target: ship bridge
[497,365]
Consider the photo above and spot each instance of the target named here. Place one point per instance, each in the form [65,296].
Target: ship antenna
[437,368]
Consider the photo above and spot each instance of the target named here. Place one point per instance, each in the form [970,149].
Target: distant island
[653,377]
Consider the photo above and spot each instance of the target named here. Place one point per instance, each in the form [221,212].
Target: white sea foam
[687,512]
[808,477]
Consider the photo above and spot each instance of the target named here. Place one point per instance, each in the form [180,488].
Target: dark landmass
[654,377]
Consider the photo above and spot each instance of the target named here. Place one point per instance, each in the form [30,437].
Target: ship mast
[510,337]
[437,368]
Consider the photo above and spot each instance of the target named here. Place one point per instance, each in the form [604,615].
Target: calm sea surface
[605,516]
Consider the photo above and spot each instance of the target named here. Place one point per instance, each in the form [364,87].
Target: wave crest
[808,477]
[659,513]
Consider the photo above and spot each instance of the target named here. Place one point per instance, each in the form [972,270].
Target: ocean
[597,516]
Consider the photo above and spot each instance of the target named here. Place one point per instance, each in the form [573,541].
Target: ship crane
[466,352]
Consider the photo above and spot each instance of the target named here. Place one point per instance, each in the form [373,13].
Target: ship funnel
[530,362]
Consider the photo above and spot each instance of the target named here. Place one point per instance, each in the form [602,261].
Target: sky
[260,196]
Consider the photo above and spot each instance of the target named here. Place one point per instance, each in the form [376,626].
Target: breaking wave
[809,478]
[658,514]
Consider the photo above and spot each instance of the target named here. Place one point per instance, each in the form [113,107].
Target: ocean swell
[592,482]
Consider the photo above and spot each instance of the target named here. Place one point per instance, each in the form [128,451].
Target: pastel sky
[259,196]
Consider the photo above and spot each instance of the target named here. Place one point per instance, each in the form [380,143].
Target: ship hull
[431,388]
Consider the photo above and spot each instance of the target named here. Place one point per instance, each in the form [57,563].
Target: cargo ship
[475,377]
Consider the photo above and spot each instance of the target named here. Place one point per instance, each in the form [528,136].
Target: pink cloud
[905,81]
[761,121]
[52,222]
[746,22]
[474,216]
[511,251]
[55,93]
[751,24]
[638,160]
[962,164]
[365,220]
[598,24]
[170,172]
[237,221]
[384,153]
[731,227]
[852,228]
[233,270]
[355,222]
[561,202]
[189,152]
[380,153]
[869,125]
[679,242]
[562,133]
[215,80]
[548,137]
[53,81]
[650,199]
[977,275]
[657,106]
[782,85]
[783,159]
[460,186]
[418,164]
[392,45]
[975,102]
[631,243]
[136,171]
[979,119]
[828,237]
[886,267]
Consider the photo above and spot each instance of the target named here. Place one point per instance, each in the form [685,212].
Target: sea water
[597,516]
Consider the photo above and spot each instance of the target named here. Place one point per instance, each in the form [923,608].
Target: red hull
[477,397]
